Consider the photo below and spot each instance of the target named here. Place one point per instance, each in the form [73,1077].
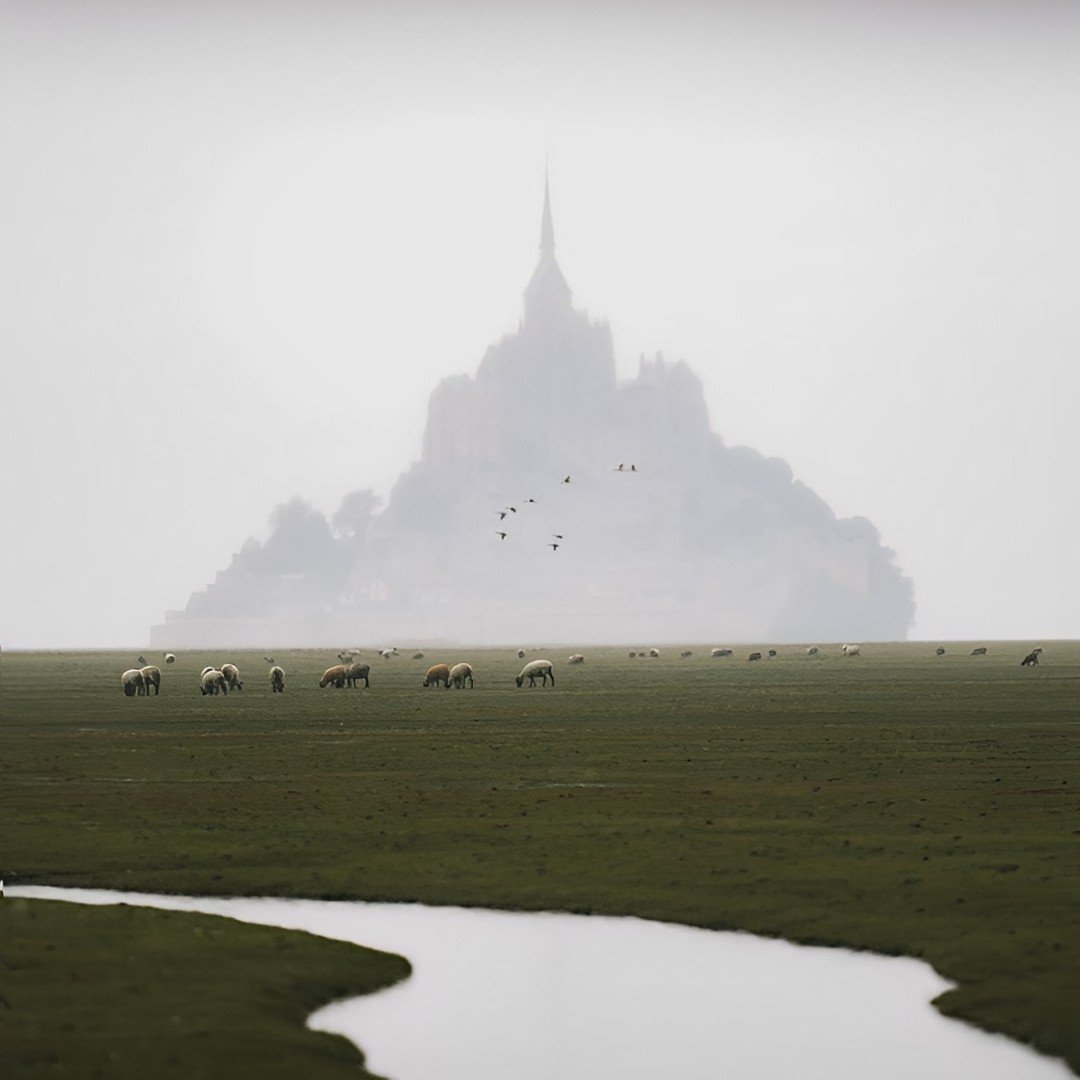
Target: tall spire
[547,290]
[547,230]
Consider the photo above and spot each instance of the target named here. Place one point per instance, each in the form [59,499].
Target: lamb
[537,669]
[133,682]
[577,658]
[277,680]
[438,673]
[232,676]
[347,656]
[335,675]
[152,677]
[170,658]
[458,674]
[213,682]
[850,650]
[720,652]
[355,672]
[386,654]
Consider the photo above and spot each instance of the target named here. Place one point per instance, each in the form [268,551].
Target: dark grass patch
[896,801]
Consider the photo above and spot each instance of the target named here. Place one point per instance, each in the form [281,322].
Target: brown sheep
[335,675]
[438,673]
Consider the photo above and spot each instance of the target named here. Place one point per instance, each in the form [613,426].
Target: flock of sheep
[138,682]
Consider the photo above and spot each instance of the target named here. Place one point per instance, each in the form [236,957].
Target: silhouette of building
[691,540]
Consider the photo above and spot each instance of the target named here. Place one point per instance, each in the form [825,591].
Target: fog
[241,250]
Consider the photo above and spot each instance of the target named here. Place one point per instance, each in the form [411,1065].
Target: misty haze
[554,503]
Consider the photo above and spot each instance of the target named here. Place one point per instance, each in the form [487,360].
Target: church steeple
[547,291]
[547,229]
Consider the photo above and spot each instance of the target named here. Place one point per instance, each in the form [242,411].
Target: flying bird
[501,535]
[502,514]
[558,536]
[512,509]
[530,500]
[567,480]
[554,547]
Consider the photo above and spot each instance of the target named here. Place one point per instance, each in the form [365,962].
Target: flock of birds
[556,538]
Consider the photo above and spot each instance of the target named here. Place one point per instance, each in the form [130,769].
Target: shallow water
[501,994]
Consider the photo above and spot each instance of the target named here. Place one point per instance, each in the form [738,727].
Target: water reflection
[498,994]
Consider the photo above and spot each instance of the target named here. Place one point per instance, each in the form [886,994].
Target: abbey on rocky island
[552,503]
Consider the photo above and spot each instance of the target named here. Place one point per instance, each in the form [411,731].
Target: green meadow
[896,801]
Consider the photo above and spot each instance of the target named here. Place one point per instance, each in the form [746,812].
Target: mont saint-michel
[552,502]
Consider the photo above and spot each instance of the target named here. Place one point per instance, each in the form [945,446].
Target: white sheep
[209,667]
[721,652]
[850,650]
[133,682]
[535,669]
[459,673]
[654,653]
[213,681]
[170,658]
[386,654]
[152,677]
[577,658]
[232,676]
[277,680]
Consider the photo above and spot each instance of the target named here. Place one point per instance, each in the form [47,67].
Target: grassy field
[896,801]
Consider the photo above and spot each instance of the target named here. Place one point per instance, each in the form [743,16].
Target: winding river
[501,994]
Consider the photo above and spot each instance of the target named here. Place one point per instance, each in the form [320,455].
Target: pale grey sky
[242,243]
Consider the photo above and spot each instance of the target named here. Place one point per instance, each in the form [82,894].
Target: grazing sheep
[980,651]
[170,658]
[633,656]
[654,653]
[142,660]
[458,674]
[209,667]
[418,656]
[355,672]
[277,680]
[386,654]
[850,650]
[438,673]
[133,682]
[1032,659]
[754,656]
[812,650]
[335,675]
[577,658]
[939,651]
[152,677]
[232,676]
[521,654]
[537,669]
[213,682]
[347,656]
[721,652]
[687,653]
[772,652]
